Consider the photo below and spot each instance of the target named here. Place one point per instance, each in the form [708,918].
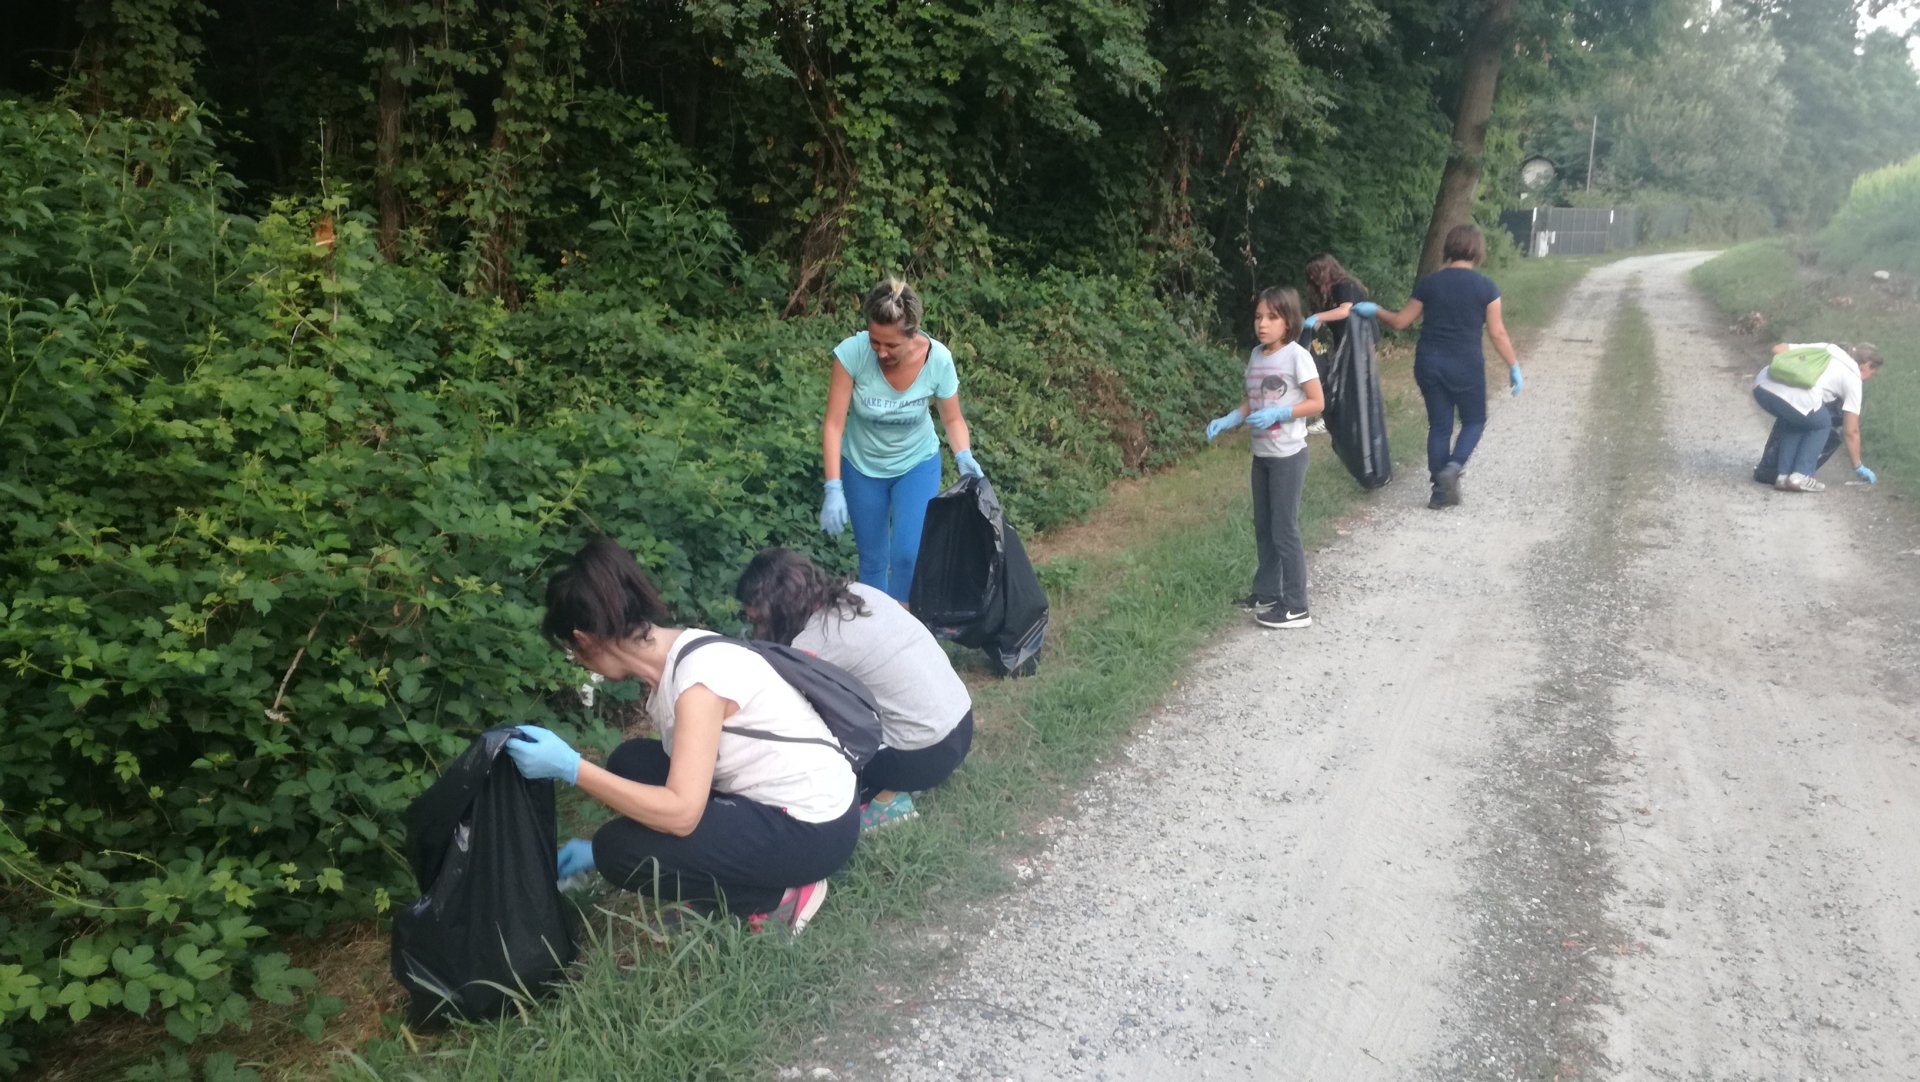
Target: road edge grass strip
[713,1001]
[1771,293]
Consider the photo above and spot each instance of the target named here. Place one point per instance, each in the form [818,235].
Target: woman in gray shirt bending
[925,711]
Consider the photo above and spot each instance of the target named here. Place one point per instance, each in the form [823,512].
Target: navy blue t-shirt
[1455,303]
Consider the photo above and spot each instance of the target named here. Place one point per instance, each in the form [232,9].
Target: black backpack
[841,700]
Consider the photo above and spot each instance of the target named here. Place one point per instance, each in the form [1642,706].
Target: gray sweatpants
[1277,485]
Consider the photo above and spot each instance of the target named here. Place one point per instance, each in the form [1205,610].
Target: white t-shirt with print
[1839,383]
[811,782]
[1277,379]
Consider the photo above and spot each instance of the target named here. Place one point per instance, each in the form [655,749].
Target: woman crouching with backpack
[926,715]
[754,816]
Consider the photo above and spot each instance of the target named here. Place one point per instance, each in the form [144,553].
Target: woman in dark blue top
[1456,301]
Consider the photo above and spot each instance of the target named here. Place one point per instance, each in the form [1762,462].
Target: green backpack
[1800,366]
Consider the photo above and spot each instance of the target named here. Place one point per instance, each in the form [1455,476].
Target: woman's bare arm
[1404,318]
[676,807]
[1497,330]
[834,427]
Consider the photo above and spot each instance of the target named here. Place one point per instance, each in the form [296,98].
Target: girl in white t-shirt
[926,714]
[754,815]
[1283,390]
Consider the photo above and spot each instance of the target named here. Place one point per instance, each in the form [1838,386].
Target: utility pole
[1592,138]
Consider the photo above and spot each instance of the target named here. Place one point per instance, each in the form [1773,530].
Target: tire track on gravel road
[1380,877]
[1770,803]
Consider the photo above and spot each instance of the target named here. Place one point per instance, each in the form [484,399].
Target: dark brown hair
[786,589]
[1464,242]
[602,592]
[1865,354]
[1283,301]
[1323,273]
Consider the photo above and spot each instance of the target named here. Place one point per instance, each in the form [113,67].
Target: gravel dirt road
[1611,773]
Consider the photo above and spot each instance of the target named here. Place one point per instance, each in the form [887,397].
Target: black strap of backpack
[755,733]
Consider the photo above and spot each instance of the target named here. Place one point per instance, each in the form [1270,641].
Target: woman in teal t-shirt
[882,457]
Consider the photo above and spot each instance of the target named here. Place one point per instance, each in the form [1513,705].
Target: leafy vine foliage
[326,328]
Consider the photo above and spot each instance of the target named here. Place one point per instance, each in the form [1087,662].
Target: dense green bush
[278,514]
[1878,227]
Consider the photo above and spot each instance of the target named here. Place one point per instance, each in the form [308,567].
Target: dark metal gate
[1578,230]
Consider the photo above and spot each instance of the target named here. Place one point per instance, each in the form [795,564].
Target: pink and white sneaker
[797,907]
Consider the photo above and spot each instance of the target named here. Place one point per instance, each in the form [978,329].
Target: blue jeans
[1802,435]
[1450,389]
[887,514]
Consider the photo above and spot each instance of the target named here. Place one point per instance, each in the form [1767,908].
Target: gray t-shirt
[921,698]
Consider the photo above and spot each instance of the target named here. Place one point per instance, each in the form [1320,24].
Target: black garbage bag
[490,924]
[1769,468]
[973,583]
[1356,415]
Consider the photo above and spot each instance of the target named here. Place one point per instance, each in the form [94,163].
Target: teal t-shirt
[890,432]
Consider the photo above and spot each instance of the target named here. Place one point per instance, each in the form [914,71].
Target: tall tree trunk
[89,67]
[391,107]
[1461,178]
[501,239]
[818,260]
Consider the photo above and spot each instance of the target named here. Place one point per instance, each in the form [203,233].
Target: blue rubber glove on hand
[575,857]
[833,512]
[1366,308]
[1515,380]
[1311,322]
[1222,424]
[1270,416]
[541,754]
[968,467]
[1866,474]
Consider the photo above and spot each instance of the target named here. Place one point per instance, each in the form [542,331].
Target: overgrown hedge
[1878,227]
[277,515]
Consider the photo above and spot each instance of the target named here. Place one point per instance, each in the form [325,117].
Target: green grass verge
[717,1003]
[1799,304]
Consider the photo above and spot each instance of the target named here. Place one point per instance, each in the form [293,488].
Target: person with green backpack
[1800,388]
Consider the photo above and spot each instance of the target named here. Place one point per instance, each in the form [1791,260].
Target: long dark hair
[1323,273]
[785,590]
[604,593]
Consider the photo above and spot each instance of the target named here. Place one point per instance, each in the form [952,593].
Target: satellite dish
[1537,172]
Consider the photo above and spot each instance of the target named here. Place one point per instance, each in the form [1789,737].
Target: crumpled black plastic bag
[973,583]
[1356,415]
[490,924]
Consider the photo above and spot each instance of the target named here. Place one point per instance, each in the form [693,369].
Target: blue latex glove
[575,857]
[1222,424]
[833,512]
[1311,322]
[541,754]
[1866,474]
[1515,380]
[1272,415]
[1366,308]
[968,467]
